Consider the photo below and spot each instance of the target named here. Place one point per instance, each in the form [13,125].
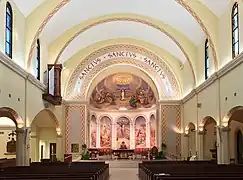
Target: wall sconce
[20,125]
[200,128]
[58,131]
[225,124]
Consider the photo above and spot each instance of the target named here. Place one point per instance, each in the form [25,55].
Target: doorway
[53,151]
[239,147]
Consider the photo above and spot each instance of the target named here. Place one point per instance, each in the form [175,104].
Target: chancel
[130,89]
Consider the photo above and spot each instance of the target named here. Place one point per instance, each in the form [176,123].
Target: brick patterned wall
[171,121]
[72,136]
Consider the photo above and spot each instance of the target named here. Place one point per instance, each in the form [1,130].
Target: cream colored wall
[16,89]
[46,136]
[20,90]
[18,33]
[225,34]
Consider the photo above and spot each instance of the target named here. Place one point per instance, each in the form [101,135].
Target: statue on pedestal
[122,95]
[11,145]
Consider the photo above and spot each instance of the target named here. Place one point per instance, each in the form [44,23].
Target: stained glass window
[9,30]
[235,30]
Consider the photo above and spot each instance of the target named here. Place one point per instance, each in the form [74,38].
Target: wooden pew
[62,171]
[188,170]
[4,162]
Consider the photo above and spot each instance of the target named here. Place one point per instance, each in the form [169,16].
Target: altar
[123,153]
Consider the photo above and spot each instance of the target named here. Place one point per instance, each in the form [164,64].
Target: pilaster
[20,149]
[59,153]
[223,145]
[200,150]
[34,147]
[186,146]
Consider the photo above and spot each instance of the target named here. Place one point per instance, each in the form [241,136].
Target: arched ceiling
[120,29]
[176,26]
[79,10]
[27,6]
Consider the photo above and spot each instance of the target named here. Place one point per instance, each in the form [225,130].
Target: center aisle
[123,174]
[123,170]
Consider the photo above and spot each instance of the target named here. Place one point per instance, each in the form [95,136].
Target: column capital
[225,129]
[59,136]
[186,135]
[20,130]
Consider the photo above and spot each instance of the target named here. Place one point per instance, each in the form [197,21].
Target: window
[206,59]
[38,60]
[9,30]
[235,30]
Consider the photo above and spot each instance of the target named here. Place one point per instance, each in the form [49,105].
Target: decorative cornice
[206,83]
[36,82]
[230,65]
[74,102]
[170,102]
[12,65]
[189,96]
[20,71]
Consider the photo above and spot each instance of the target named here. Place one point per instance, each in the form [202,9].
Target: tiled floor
[123,173]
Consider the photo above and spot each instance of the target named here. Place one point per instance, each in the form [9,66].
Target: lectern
[53,94]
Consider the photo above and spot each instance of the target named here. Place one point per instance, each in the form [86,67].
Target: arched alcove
[210,138]
[153,130]
[93,131]
[10,121]
[105,132]
[123,125]
[235,124]
[140,132]
[44,134]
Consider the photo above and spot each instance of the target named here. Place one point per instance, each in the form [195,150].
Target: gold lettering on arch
[122,54]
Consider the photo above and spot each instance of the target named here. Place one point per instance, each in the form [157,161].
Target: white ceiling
[125,29]
[167,11]
[6,122]
[216,6]
[27,6]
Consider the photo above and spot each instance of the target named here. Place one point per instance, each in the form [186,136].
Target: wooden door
[53,151]
[42,152]
[239,147]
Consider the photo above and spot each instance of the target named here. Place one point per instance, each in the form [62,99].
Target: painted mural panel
[93,131]
[122,91]
[152,131]
[123,132]
[140,132]
[105,132]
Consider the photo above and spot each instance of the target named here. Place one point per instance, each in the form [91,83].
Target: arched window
[9,30]
[206,59]
[38,60]
[235,30]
